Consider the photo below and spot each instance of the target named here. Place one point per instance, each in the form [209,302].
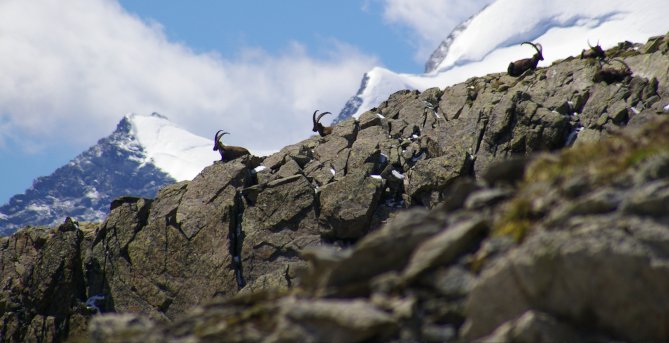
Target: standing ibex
[318,127]
[517,68]
[611,75]
[594,52]
[228,152]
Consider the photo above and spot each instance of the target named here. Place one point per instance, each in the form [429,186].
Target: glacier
[489,40]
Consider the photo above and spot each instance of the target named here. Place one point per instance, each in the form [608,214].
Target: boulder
[391,107]
[576,276]
[534,327]
[126,327]
[350,272]
[331,321]
[280,223]
[347,206]
[42,285]
[444,248]
[426,180]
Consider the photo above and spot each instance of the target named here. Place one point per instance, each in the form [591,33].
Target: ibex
[228,152]
[517,68]
[594,52]
[611,75]
[318,127]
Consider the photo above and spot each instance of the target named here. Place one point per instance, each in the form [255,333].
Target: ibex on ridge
[594,52]
[228,152]
[517,68]
[318,127]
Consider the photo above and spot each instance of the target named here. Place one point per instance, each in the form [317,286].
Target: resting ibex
[517,68]
[611,75]
[318,127]
[228,152]
[594,52]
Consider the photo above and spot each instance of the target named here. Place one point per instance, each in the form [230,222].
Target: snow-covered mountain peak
[443,49]
[143,154]
[563,27]
[491,39]
[179,153]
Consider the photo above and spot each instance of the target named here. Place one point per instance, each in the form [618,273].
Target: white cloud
[430,20]
[72,69]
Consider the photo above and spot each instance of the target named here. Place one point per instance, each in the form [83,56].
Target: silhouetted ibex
[517,68]
[612,75]
[318,127]
[594,52]
[228,152]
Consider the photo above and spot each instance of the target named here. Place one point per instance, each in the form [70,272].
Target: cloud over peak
[71,70]
[430,21]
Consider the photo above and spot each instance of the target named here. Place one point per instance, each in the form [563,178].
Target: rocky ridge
[502,240]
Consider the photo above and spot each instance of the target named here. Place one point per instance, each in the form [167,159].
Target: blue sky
[257,68]
[226,27]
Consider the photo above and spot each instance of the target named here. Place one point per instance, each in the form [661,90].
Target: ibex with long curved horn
[228,152]
[611,75]
[517,68]
[318,127]
[594,52]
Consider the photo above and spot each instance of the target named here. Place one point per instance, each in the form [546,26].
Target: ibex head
[217,139]
[539,56]
[318,127]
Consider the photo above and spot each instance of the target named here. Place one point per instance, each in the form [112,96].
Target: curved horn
[321,116]
[313,117]
[217,137]
[539,49]
[591,47]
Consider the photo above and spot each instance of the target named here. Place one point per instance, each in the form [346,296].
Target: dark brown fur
[594,52]
[517,68]
[318,127]
[612,75]
[228,152]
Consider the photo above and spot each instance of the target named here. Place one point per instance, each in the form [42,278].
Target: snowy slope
[491,40]
[442,50]
[179,153]
[142,155]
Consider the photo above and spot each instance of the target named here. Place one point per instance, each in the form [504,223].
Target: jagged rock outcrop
[42,283]
[159,257]
[506,238]
[573,252]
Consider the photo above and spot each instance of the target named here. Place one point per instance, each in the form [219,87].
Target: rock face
[43,284]
[162,256]
[507,238]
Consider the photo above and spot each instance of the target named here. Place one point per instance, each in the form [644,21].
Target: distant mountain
[441,52]
[489,40]
[142,155]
